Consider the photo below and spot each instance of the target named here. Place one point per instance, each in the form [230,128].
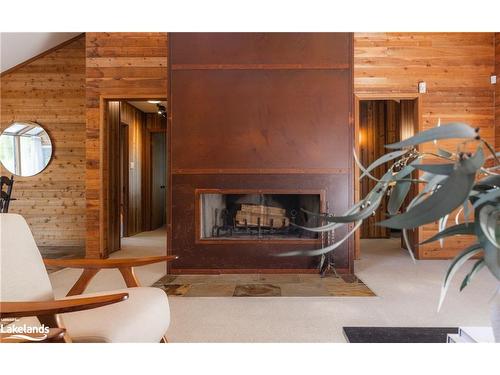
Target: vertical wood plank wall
[497,91]
[120,65]
[457,69]
[135,119]
[379,124]
[51,91]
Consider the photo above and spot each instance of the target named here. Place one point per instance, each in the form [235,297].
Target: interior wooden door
[112,171]
[158,179]
[124,179]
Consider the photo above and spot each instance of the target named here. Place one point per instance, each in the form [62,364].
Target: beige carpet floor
[407,295]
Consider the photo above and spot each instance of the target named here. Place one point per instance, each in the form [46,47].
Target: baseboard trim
[218,271]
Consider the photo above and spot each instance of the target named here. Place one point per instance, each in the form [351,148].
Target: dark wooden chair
[5,195]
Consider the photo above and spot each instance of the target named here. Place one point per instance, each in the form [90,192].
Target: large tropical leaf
[453,192]
[456,263]
[460,229]
[448,131]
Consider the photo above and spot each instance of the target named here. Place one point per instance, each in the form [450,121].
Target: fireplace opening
[258,216]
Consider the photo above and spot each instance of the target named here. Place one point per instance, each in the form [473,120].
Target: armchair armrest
[108,263]
[92,266]
[21,309]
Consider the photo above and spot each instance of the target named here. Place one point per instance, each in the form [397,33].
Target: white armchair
[134,314]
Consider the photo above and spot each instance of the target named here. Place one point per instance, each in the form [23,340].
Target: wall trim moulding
[262,171]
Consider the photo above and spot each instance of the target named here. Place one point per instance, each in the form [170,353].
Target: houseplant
[462,180]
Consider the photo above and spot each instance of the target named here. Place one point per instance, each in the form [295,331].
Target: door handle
[162,187]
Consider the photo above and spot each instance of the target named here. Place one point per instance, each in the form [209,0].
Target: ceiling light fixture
[162,111]
[154,101]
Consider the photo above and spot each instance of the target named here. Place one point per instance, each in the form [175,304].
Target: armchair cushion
[143,317]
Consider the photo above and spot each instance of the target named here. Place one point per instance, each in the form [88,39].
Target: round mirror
[25,148]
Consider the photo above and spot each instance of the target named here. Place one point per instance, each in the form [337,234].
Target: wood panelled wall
[135,119]
[119,65]
[258,111]
[457,69]
[497,90]
[379,124]
[51,91]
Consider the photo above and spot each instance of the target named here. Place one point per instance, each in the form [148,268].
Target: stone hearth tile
[211,290]
[196,279]
[350,278]
[257,290]
[176,289]
[350,290]
[242,278]
[304,290]
[167,279]
[279,279]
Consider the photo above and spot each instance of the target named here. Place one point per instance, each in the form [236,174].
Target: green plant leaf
[404,172]
[442,226]
[363,213]
[447,131]
[488,216]
[456,263]
[434,182]
[452,193]
[408,244]
[444,153]
[364,171]
[460,229]
[324,250]
[330,226]
[491,253]
[489,182]
[382,160]
[475,269]
[487,196]
[398,195]
[441,169]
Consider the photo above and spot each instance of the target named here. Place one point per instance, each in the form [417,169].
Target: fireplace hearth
[257,216]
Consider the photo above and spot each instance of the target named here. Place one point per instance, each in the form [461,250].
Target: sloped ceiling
[16,48]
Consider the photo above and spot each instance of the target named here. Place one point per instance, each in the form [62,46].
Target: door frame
[104,158]
[149,150]
[417,127]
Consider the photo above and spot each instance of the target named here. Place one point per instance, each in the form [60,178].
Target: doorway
[136,175]
[158,180]
[381,121]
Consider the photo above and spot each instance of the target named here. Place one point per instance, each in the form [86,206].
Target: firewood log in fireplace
[254,215]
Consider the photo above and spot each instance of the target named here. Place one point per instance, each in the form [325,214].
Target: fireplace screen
[258,216]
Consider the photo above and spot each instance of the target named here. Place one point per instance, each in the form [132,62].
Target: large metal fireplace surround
[221,214]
